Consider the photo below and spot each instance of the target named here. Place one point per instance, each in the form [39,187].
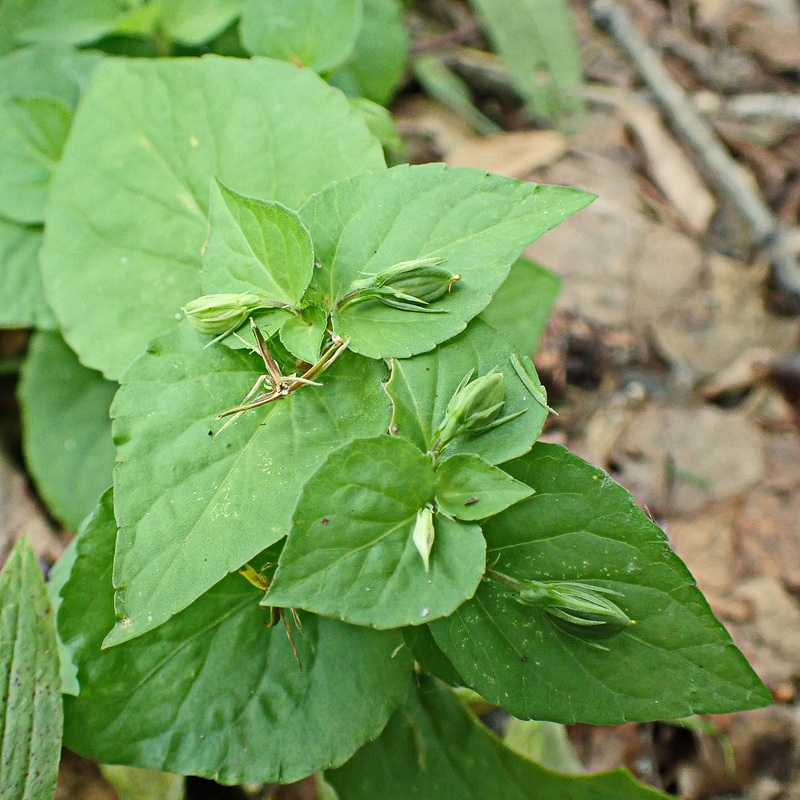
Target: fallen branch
[721,169]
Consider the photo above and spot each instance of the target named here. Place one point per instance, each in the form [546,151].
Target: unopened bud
[424,535]
[219,314]
[474,407]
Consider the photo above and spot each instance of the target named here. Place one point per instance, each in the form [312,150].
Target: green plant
[329,501]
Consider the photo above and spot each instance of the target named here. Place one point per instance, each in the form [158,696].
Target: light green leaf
[56,578]
[350,554]
[432,747]
[538,46]
[256,246]
[378,60]
[58,22]
[546,743]
[30,704]
[580,526]
[302,336]
[421,388]
[193,22]
[478,222]
[238,708]
[380,122]
[131,783]
[32,133]
[320,34]
[57,72]
[521,306]
[176,536]
[22,303]
[128,241]
[66,428]
[468,487]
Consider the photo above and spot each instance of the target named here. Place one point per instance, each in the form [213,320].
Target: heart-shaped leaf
[218,501]
[255,246]
[580,526]
[469,487]
[215,693]
[477,222]
[351,553]
[421,387]
[128,241]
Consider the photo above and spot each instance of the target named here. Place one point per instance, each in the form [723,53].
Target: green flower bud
[474,407]
[424,534]
[220,314]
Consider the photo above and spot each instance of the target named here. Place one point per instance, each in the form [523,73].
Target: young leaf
[22,303]
[60,22]
[538,46]
[469,487]
[71,462]
[57,577]
[677,660]
[433,747]
[30,709]
[477,222]
[521,306]
[133,237]
[351,553]
[176,538]
[421,388]
[319,34]
[255,246]
[215,693]
[32,134]
[376,65]
[302,336]
[193,22]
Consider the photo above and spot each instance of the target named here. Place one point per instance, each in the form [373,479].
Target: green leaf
[429,656]
[58,22]
[478,222]
[129,240]
[380,122]
[22,303]
[468,487]
[131,783]
[421,388]
[30,708]
[255,246]
[60,73]
[546,743]
[521,306]
[378,60]
[238,708]
[32,133]
[57,577]
[432,747]
[71,461]
[580,526]
[538,46]
[320,34]
[175,540]
[193,22]
[302,336]
[350,554]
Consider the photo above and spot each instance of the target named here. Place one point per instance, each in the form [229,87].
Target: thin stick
[720,167]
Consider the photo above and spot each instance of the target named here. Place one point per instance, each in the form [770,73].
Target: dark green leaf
[421,387]
[215,693]
[57,577]
[255,246]
[521,306]
[319,34]
[478,222]
[378,61]
[351,555]
[433,748]
[468,487]
[66,427]
[30,698]
[429,656]
[127,210]
[176,538]
[580,526]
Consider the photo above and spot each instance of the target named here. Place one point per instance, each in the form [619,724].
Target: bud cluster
[410,285]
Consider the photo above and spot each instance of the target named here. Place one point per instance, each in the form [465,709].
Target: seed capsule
[424,534]
[219,314]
